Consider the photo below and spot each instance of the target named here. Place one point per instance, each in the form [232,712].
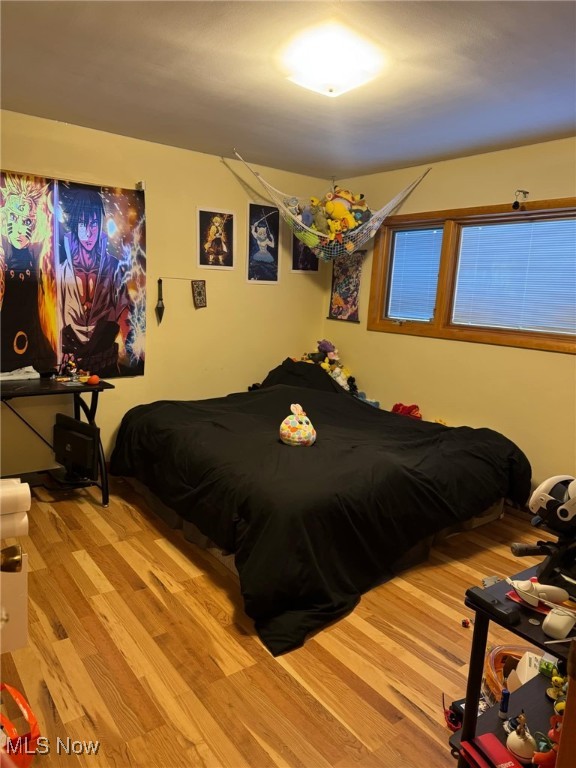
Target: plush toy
[292,205]
[328,358]
[308,238]
[360,209]
[335,230]
[344,195]
[320,221]
[307,216]
[337,211]
[297,428]
[407,410]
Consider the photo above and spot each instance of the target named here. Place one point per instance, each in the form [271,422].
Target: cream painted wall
[527,395]
[246,328]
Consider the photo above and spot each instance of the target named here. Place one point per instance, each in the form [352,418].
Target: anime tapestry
[346,271]
[72,277]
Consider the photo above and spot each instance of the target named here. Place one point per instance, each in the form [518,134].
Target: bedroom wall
[528,395]
[245,330]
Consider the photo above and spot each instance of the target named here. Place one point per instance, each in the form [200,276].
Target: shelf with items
[491,605]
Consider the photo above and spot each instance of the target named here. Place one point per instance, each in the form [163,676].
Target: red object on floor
[487,751]
[19,750]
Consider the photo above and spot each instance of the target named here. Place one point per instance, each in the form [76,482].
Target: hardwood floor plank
[104,525]
[138,648]
[306,712]
[184,729]
[225,750]
[132,709]
[274,726]
[94,706]
[138,639]
[228,654]
[356,715]
[224,710]
[156,616]
[190,570]
[345,644]
[185,648]
[97,580]
[156,578]
[62,693]
[123,578]
[158,749]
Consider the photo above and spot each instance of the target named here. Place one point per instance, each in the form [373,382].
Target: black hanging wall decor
[160,302]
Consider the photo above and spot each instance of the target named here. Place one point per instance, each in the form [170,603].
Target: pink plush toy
[297,428]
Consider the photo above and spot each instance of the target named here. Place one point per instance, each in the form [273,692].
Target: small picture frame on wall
[303,260]
[199,293]
[215,239]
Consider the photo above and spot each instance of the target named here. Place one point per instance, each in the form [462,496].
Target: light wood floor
[138,640]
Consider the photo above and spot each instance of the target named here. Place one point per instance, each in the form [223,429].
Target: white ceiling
[463,78]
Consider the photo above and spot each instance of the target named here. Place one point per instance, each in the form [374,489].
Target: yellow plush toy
[337,211]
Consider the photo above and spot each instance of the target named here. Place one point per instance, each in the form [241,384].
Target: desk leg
[90,413]
[475,673]
[103,475]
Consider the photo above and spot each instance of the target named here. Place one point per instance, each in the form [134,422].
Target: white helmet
[555,502]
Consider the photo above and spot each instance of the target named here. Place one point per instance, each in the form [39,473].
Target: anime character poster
[73,277]
[303,260]
[216,239]
[102,278]
[28,292]
[263,247]
[346,272]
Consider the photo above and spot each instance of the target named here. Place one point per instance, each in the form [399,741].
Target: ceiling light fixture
[331,59]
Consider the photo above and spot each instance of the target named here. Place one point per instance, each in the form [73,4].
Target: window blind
[519,276]
[414,274]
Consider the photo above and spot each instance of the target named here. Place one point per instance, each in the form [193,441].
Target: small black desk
[10,390]
[530,697]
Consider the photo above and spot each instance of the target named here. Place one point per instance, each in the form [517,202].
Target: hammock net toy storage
[335,225]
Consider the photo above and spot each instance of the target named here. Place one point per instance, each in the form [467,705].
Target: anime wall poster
[28,292]
[263,247]
[102,278]
[346,272]
[77,253]
[216,239]
[303,260]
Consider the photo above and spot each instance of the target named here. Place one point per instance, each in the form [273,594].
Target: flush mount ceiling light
[331,59]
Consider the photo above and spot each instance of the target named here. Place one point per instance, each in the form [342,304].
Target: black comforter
[312,528]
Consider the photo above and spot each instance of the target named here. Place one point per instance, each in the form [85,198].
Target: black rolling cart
[491,604]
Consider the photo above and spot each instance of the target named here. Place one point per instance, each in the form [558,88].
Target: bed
[312,529]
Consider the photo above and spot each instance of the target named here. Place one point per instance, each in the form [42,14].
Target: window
[491,275]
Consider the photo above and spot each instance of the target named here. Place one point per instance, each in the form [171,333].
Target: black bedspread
[313,528]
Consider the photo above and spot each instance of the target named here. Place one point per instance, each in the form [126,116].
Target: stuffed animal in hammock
[297,428]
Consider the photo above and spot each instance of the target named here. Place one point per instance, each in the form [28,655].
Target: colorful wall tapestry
[72,276]
[346,272]
[263,235]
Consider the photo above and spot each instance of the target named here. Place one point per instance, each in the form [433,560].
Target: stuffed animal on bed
[297,428]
